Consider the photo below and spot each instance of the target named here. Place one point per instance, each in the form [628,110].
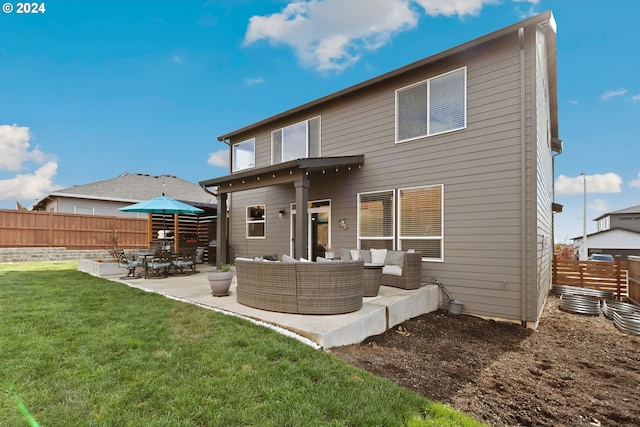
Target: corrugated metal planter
[627,322]
[608,307]
[574,290]
[580,304]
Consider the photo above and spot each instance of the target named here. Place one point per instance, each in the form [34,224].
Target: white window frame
[392,238]
[250,221]
[402,240]
[84,210]
[310,151]
[234,155]
[428,83]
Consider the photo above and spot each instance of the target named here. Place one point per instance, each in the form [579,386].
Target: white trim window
[243,155]
[376,219]
[83,210]
[421,221]
[297,141]
[256,222]
[433,106]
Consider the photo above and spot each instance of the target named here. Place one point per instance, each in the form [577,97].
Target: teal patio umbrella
[162,205]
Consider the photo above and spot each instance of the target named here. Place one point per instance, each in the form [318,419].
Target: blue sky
[92,89]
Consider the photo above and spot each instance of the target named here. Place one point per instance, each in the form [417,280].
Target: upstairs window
[297,141]
[243,155]
[433,106]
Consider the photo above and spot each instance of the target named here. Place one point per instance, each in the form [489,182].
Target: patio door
[319,228]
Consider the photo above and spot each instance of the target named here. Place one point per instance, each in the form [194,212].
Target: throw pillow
[322,259]
[393,270]
[355,254]
[345,255]
[378,256]
[394,258]
[365,254]
[288,259]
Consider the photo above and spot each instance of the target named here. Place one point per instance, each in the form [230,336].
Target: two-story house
[451,156]
[618,234]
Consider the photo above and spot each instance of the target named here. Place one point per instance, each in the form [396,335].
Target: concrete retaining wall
[50,254]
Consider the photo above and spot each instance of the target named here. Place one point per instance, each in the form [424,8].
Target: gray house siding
[493,249]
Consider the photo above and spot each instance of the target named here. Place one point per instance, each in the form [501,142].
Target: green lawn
[77,350]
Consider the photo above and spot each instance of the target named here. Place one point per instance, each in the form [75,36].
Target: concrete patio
[389,308]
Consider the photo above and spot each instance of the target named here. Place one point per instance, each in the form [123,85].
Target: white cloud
[613,93]
[176,59]
[254,81]
[636,98]
[636,182]
[219,158]
[15,148]
[330,35]
[606,183]
[453,7]
[30,186]
[16,151]
[574,102]
[598,205]
[530,11]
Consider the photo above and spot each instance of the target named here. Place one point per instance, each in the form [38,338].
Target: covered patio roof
[295,172]
[281,173]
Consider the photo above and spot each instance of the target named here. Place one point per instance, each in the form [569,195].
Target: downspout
[523,185]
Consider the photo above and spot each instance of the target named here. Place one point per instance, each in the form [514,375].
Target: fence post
[618,280]
[581,275]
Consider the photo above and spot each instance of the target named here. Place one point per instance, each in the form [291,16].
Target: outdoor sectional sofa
[402,269]
[300,287]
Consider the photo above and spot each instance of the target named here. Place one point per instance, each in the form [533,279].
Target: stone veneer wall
[51,254]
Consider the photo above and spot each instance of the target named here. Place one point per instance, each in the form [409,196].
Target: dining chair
[184,262]
[159,264]
[125,262]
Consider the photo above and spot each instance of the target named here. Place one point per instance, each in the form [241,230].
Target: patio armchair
[159,264]
[185,261]
[125,262]
[200,255]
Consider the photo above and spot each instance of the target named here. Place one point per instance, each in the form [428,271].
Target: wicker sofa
[402,269]
[300,287]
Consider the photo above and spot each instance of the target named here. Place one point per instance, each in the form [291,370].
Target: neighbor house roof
[608,231]
[135,187]
[625,211]
[544,20]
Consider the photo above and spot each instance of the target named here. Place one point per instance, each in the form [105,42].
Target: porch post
[221,230]
[302,216]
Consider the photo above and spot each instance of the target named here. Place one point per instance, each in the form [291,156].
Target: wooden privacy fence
[634,278]
[606,276]
[20,229]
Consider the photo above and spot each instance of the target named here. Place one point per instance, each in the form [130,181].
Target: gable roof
[625,211]
[608,231]
[544,20]
[133,188]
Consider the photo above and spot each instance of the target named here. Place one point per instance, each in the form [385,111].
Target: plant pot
[455,307]
[220,281]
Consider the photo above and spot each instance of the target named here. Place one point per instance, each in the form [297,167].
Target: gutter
[523,185]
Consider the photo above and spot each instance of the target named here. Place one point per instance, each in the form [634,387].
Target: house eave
[545,20]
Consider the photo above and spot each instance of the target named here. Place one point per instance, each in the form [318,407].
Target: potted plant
[220,280]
